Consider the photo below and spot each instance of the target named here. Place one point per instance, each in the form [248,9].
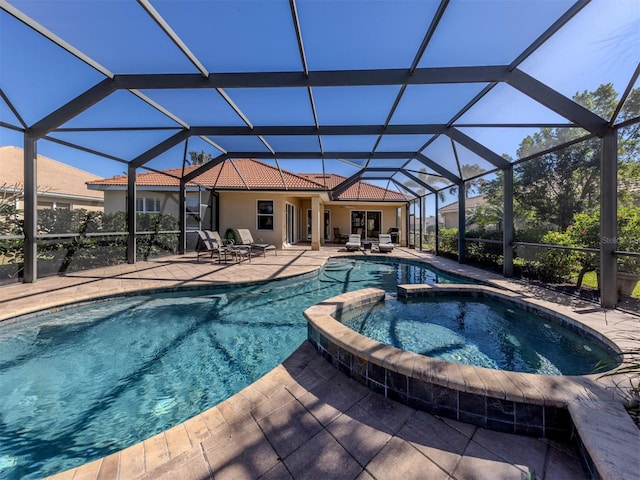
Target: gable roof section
[241,173]
[361,191]
[251,174]
[53,177]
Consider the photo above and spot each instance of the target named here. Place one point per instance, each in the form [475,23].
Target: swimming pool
[88,381]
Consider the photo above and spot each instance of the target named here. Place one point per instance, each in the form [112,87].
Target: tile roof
[53,177]
[247,173]
[362,191]
[241,173]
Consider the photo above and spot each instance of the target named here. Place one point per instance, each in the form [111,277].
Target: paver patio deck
[304,419]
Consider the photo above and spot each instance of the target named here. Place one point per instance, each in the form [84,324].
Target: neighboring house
[278,206]
[59,186]
[449,213]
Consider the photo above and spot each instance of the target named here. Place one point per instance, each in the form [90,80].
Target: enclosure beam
[270,130]
[30,267]
[507,223]
[557,102]
[182,219]
[418,181]
[131,214]
[422,210]
[608,219]
[159,149]
[462,246]
[320,78]
[477,148]
[73,108]
[344,185]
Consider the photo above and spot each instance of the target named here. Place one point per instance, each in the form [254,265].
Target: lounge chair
[384,243]
[246,239]
[208,242]
[354,243]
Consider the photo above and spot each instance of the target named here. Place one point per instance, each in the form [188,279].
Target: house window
[265,214]
[147,205]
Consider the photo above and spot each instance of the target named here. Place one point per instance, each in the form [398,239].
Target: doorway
[366,223]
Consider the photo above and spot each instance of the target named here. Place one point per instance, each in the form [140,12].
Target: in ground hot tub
[510,401]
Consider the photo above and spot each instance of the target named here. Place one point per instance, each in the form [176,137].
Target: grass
[590,280]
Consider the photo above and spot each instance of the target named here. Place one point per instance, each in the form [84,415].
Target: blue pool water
[88,381]
[480,332]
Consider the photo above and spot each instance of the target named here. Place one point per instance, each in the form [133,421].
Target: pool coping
[458,390]
[581,408]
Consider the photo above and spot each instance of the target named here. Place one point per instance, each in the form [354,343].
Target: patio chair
[354,243]
[208,242]
[247,239]
[384,243]
[339,237]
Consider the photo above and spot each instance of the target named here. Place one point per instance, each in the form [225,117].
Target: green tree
[199,158]
[551,189]
[470,186]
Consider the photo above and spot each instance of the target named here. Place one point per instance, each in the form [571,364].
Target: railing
[65,252]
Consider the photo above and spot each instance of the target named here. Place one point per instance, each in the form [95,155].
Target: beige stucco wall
[76,203]
[239,210]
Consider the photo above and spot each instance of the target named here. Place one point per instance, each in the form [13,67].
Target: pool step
[608,438]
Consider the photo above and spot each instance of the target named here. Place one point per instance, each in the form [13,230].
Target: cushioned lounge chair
[246,239]
[208,242]
[354,242]
[384,243]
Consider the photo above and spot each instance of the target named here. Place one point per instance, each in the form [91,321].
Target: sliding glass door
[366,223]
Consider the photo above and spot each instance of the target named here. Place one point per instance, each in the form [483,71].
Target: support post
[462,247]
[316,223]
[131,214]
[30,210]
[507,223]
[422,210]
[403,238]
[608,219]
[437,228]
[182,218]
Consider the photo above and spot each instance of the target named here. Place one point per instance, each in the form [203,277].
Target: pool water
[480,332]
[89,381]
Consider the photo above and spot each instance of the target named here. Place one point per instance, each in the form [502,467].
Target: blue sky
[600,45]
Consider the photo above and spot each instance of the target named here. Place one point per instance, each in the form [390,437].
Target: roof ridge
[298,175]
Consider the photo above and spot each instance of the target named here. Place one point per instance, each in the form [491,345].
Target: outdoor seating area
[246,240]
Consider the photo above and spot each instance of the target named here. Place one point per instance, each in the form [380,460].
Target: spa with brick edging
[513,402]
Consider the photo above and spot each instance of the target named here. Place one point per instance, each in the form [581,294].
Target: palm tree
[468,171]
[432,180]
[199,158]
